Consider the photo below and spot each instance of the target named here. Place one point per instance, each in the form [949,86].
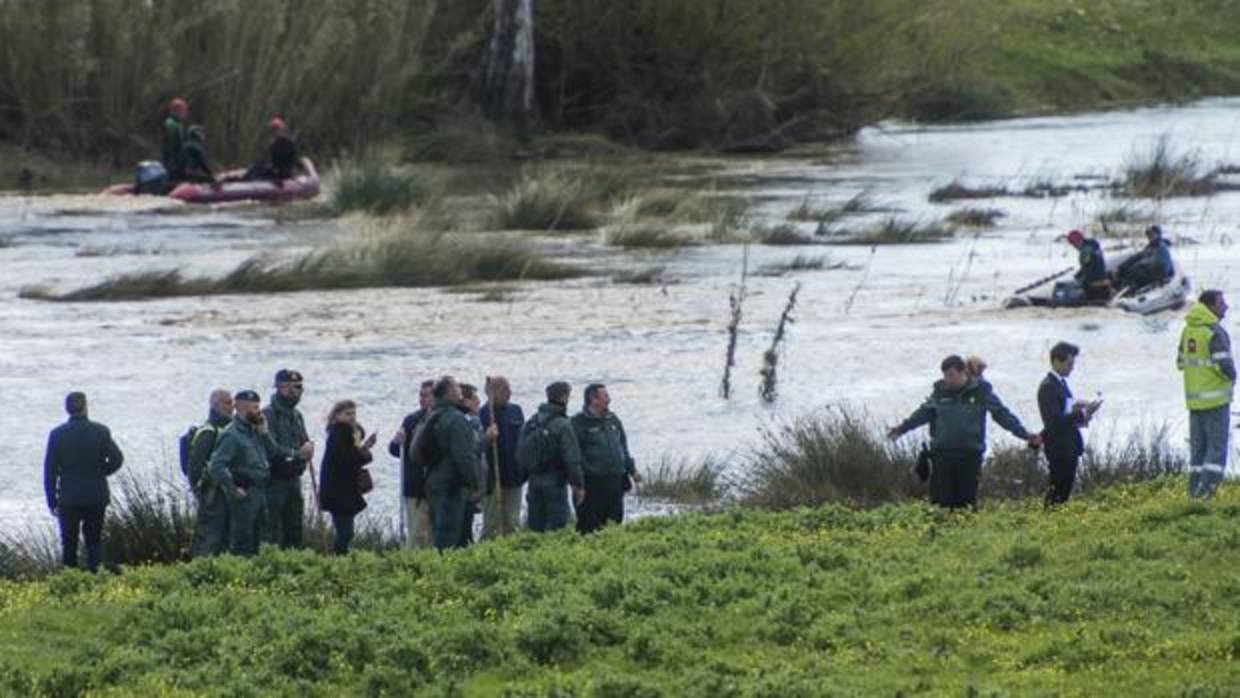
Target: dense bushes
[1126,592]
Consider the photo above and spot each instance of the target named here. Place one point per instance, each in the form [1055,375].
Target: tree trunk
[507,94]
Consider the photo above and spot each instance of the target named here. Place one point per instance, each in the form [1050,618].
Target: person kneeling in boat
[1092,276]
[1151,266]
[283,160]
[197,169]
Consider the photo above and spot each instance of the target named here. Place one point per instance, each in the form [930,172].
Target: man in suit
[80,456]
[1062,420]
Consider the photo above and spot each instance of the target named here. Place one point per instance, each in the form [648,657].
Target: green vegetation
[683,482]
[1127,592]
[1163,172]
[801,262]
[394,253]
[975,217]
[86,81]
[896,231]
[647,236]
[372,186]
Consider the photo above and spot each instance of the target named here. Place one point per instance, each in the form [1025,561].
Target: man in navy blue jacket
[80,456]
[502,419]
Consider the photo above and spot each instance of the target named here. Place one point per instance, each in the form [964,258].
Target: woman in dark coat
[343,458]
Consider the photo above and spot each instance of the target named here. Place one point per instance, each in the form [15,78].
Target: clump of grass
[556,200]
[682,482]
[728,223]
[1145,454]
[463,138]
[1125,213]
[782,234]
[955,191]
[1163,172]
[975,217]
[896,231]
[832,456]
[669,205]
[151,522]
[1049,189]
[399,254]
[371,186]
[649,275]
[802,262]
[646,236]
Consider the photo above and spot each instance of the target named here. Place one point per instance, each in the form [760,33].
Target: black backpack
[535,452]
[421,456]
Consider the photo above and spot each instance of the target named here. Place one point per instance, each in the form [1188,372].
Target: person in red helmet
[172,140]
[1092,276]
[283,160]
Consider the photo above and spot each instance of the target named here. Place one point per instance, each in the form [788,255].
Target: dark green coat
[604,446]
[242,455]
[172,148]
[957,418]
[563,441]
[287,428]
[457,445]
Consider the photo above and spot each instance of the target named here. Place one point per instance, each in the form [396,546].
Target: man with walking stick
[503,419]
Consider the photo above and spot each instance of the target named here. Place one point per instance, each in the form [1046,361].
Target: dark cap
[288,375]
[1154,231]
[247,395]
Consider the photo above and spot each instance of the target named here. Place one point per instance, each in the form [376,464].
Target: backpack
[186,447]
[535,450]
[421,456]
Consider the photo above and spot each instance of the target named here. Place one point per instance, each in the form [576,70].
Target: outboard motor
[1068,293]
[151,178]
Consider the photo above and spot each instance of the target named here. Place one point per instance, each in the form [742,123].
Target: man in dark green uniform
[956,412]
[608,468]
[211,520]
[453,475]
[240,467]
[551,464]
[285,503]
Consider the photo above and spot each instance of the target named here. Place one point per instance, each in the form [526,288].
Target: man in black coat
[80,456]
[1062,420]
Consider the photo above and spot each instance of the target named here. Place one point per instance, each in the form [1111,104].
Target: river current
[868,337]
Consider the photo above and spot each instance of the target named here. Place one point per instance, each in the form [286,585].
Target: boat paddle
[1042,281]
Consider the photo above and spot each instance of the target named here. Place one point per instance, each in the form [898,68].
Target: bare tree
[508,81]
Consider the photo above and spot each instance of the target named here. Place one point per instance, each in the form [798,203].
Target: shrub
[1163,172]
[370,186]
[832,456]
[647,236]
[558,200]
[683,482]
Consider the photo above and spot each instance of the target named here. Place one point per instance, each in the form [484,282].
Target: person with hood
[81,455]
[346,453]
[1209,370]
[956,412]
[1092,276]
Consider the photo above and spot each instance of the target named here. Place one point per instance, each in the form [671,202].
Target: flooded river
[869,336]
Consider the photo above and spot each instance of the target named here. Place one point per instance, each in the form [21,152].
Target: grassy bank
[1129,592]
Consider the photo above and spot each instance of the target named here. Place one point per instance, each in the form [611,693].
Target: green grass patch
[372,186]
[897,231]
[395,253]
[1126,592]
[975,217]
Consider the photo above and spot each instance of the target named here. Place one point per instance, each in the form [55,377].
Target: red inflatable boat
[233,188]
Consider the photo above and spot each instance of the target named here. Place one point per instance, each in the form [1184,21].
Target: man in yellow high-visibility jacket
[1209,381]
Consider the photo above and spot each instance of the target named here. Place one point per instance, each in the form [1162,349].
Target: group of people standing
[957,408]
[460,457]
